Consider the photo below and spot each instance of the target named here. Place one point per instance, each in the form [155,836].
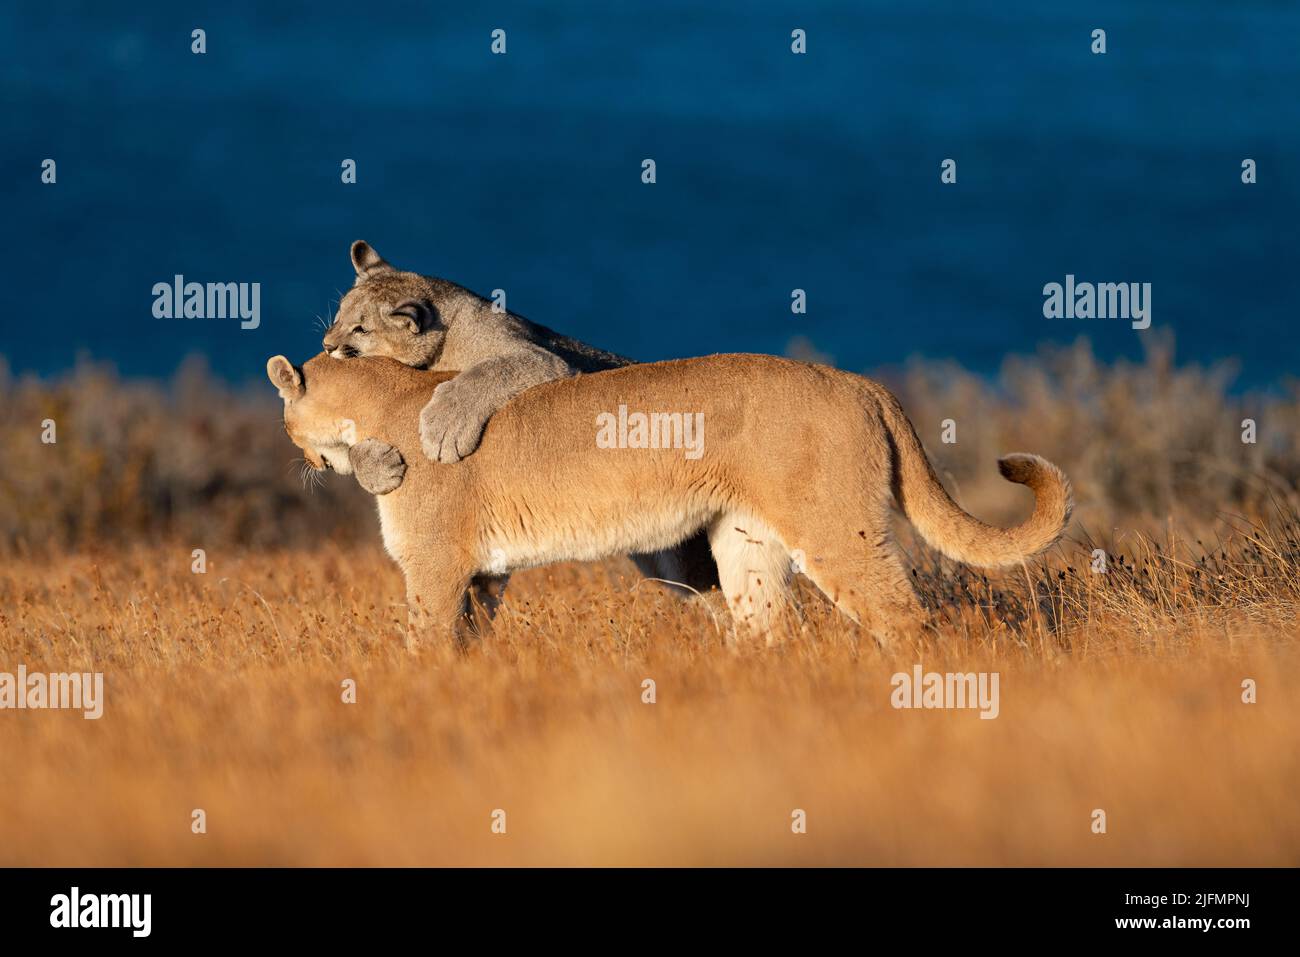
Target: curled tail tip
[1025,468]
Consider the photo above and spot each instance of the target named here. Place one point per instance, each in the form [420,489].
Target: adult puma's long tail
[961,536]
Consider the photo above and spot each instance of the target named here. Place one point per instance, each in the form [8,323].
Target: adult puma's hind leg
[858,568]
[753,568]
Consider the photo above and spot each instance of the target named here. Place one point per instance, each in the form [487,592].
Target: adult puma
[797,459]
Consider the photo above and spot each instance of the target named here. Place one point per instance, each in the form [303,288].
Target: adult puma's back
[783,463]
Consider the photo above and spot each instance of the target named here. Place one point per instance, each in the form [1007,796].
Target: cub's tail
[961,536]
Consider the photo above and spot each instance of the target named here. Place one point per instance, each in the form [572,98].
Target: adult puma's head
[330,405]
[394,313]
[311,417]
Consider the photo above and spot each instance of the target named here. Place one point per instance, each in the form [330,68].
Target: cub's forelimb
[452,424]
[378,466]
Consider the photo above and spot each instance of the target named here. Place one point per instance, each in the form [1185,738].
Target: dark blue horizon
[775,171]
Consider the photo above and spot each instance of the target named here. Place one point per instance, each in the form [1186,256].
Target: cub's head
[311,416]
[390,312]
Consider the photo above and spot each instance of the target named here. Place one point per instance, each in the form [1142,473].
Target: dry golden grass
[1119,691]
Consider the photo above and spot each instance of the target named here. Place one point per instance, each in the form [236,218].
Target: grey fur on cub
[431,323]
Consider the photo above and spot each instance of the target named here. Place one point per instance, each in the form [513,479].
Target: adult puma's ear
[366,261]
[417,315]
[284,377]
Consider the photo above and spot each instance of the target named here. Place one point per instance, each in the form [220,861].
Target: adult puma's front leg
[378,466]
[435,603]
[452,424]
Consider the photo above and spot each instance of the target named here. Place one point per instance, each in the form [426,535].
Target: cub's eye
[357,329]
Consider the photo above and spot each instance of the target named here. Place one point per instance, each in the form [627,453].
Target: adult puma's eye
[357,329]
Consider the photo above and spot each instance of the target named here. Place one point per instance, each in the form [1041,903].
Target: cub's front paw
[378,466]
[451,425]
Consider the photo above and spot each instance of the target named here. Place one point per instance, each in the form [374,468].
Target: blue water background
[775,171]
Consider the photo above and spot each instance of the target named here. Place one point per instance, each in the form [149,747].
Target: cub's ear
[416,315]
[366,261]
[284,377]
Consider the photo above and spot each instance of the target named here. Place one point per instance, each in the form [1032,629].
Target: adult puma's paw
[451,425]
[378,466]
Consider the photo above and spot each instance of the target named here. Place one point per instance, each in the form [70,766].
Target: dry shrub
[1139,441]
[193,460]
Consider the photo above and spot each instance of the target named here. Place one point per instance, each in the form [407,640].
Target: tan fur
[798,459]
